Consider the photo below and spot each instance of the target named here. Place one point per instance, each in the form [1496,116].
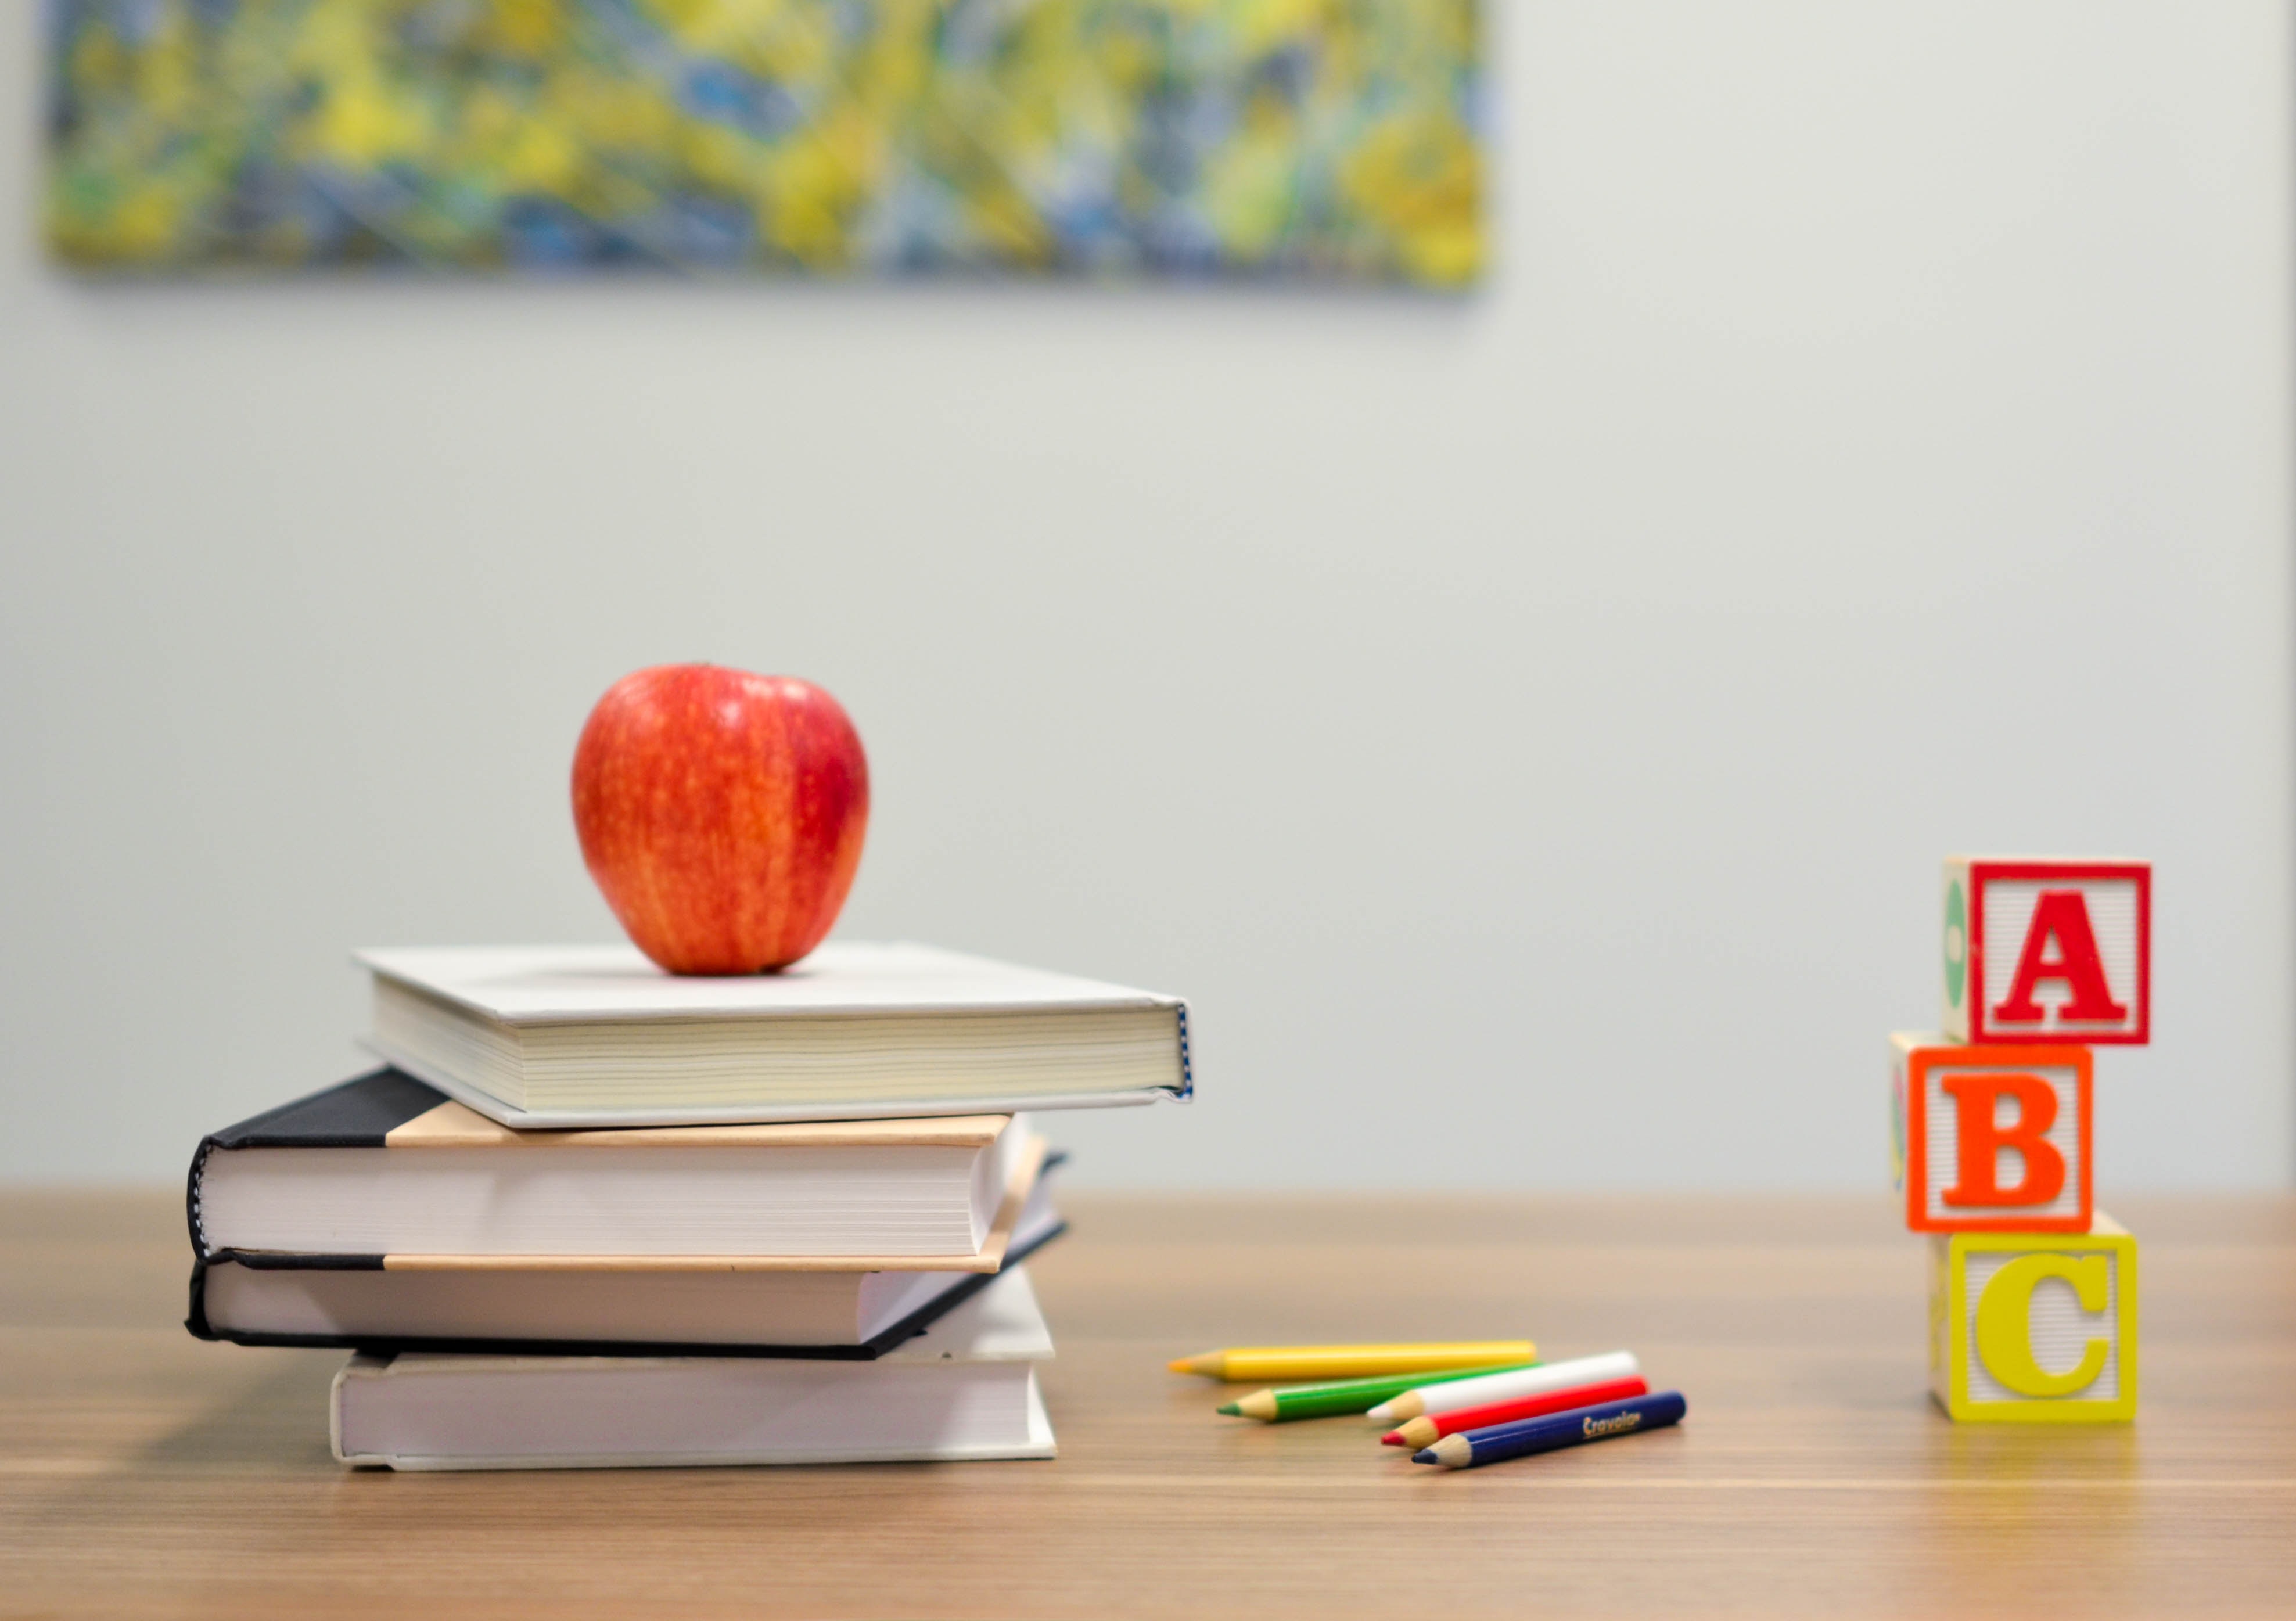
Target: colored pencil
[1501,1442]
[1346,1395]
[1498,1387]
[1271,1362]
[1433,1426]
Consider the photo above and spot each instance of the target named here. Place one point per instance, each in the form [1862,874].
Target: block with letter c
[2035,1328]
[1993,1139]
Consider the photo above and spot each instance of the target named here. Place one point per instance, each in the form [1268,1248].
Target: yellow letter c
[2005,1340]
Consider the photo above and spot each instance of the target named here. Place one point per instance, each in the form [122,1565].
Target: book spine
[197,1323]
[195,1319]
[192,1201]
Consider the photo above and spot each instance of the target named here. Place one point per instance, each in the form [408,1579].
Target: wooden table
[144,1474]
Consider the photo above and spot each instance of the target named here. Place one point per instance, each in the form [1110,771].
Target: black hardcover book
[313,1167]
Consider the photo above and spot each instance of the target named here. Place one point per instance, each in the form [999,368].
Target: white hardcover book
[597,1035]
[966,1389]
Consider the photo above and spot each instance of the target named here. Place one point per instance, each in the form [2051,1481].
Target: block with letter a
[2035,1328]
[2049,951]
[1993,1139]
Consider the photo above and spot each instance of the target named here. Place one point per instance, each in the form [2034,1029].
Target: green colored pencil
[1345,1396]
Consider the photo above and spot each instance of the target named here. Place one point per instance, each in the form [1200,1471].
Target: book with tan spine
[385,1169]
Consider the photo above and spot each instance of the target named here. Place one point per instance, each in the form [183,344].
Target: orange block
[1993,1139]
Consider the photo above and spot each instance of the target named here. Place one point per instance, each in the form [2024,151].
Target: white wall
[1527,727]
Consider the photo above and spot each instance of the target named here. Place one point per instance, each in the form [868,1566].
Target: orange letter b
[1976,1099]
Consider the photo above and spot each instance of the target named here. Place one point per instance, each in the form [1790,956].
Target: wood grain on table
[142,1473]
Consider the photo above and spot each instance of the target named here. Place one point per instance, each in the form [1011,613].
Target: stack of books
[594,1214]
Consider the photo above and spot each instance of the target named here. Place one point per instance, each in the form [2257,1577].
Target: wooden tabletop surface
[144,1474]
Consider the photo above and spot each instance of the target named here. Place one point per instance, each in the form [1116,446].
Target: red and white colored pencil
[1430,1427]
[1502,1387]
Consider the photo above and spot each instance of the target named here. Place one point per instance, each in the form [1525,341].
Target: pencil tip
[1391,1438]
[1231,1409]
[1425,1455]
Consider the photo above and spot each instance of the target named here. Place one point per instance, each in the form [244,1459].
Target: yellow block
[2035,1328]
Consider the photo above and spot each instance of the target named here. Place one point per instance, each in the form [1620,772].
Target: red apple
[722,814]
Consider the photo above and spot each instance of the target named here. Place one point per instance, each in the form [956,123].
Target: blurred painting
[1321,139]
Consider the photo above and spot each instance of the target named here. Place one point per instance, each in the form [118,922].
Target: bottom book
[966,1388]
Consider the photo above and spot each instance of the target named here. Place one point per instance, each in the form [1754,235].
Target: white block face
[2058,1330]
[1941,1142]
[2052,976]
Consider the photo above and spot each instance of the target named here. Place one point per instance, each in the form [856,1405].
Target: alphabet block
[1992,1138]
[2035,1328]
[2049,951]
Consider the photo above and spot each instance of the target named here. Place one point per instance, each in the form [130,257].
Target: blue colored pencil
[1544,1434]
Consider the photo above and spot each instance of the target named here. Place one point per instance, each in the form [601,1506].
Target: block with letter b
[2049,951]
[1993,1139]
[2035,1328]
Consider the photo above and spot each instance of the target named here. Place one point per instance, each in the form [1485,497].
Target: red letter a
[2061,915]
[1977,1098]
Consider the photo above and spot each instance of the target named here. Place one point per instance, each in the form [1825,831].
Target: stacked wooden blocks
[2032,1289]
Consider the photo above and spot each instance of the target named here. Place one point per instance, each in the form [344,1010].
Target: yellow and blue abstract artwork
[1276,139]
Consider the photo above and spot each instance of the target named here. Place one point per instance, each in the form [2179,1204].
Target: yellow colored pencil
[1264,1363]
